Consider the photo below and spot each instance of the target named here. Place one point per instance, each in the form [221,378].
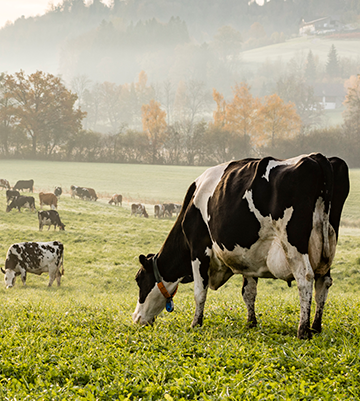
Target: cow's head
[10,207]
[62,226]
[151,301]
[9,277]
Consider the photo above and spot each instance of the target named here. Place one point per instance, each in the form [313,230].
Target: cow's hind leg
[249,291]
[58,277]
[201,280]
[304,277]
[52,276]
[322,285]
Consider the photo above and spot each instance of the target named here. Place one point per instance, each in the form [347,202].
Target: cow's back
[258,201]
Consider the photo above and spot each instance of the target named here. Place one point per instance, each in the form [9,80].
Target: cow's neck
[174,257]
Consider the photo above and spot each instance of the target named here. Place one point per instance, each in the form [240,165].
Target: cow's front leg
[201,284]
[249,291]
[23,276]
[322,285]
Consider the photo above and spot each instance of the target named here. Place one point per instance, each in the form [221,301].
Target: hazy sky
[10,10]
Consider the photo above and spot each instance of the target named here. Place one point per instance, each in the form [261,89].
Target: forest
[40,120]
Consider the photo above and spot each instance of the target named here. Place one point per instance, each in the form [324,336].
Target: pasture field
[299,47]
[77,342]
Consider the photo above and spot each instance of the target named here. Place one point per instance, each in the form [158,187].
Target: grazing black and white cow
[34,257]
[159,211]
[50,218]
[11,194]
[265,218]
[24,184]
[169,209]
[58,192]
[4,183]
[139,209]
[22,201]
[82,193]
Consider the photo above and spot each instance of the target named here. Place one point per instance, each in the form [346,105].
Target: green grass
[77,342]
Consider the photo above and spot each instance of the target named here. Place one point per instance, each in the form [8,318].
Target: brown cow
[4,183]
[116,199]
[48,199]
[92,193]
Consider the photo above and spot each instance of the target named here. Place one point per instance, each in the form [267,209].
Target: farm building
[319,26]
[331,96]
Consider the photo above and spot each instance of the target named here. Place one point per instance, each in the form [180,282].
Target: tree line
[41,118]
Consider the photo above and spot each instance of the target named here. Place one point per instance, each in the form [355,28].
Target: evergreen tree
[333,65]
[310,68]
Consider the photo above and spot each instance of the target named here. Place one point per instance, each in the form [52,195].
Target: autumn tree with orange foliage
[44,109]
[259,121]
[279,121]
[154,125]
[240,116]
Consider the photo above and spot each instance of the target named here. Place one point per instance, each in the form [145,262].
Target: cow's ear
[144,260]
[3,270]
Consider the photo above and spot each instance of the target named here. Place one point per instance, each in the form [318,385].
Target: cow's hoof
[304,333]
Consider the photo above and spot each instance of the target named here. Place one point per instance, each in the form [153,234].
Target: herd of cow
[40,257]
[261,218]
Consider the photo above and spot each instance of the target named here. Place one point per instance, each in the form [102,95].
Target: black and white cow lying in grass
[50,218]
[34,257]
[265,218]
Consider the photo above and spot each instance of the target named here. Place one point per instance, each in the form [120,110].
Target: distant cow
[50,218]
[116,199]
[22,201]
[138,209]
[34,257]
[58,192]
[11,194]
[177,208]
[159,211]
[24,184]
[4,183]
[169,209]
[48,199]
[92,193]
[82,193]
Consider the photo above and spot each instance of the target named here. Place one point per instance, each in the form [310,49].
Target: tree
[310,68]
[333,65]
[293,89]
[227,44]
[44,108]
[280,121]
[242,115]
[352,112]
[154,125]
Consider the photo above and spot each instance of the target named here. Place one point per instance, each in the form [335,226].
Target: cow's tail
[326,193]
[62,263]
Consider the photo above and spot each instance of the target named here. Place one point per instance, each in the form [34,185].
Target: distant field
[145,183]
[142,183]
[300,47]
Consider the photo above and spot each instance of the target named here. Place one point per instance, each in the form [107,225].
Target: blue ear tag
[169,305]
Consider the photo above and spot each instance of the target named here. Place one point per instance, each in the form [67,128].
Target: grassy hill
[300,47]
